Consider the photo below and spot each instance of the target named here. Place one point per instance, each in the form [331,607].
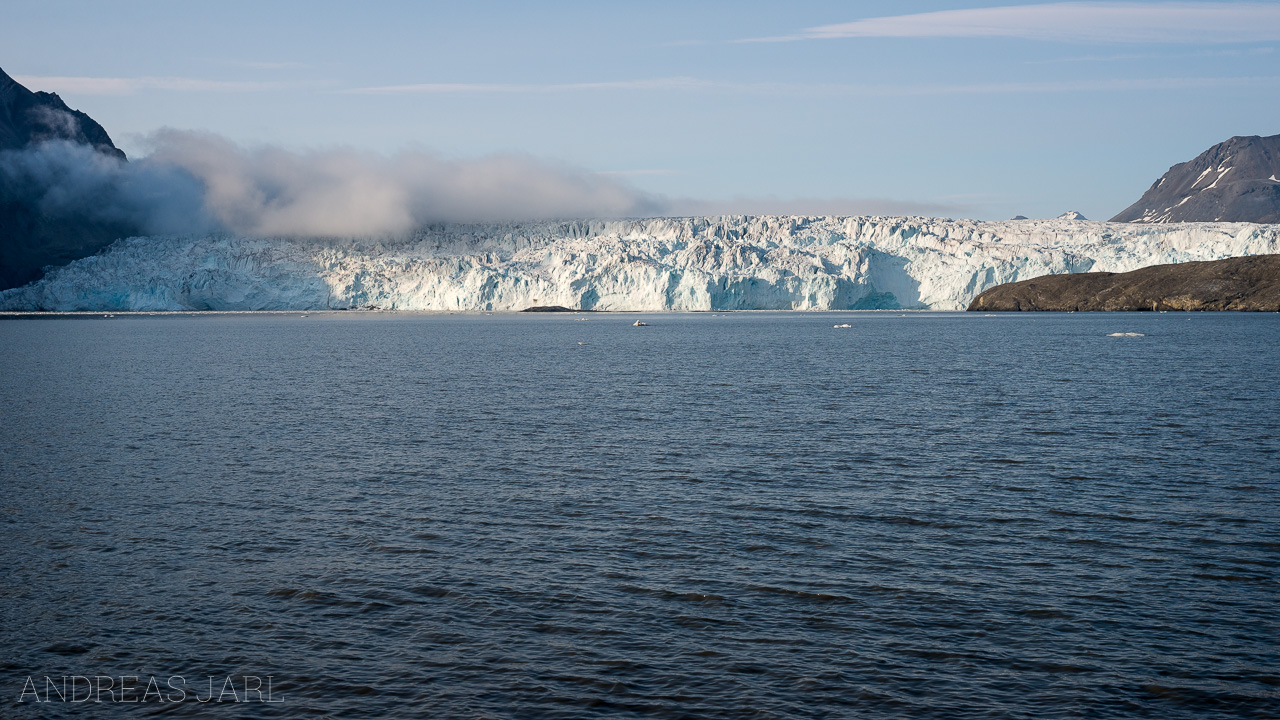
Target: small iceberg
[1125,335]
[843,325]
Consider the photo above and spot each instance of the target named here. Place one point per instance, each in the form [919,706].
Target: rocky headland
[1239,283]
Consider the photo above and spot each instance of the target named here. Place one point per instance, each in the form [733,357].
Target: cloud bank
[193,183]
[270,190]
[834,206]
[199,183]
[62,180]
[1092,22]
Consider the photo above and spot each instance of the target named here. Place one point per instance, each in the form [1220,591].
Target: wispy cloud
[1250,52]
[132,86]
[256,65]
[631,173]
[675,83]
[1105,22]
[834,89]
[1070,86]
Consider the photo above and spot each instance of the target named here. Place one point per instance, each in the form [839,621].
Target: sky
[955,109]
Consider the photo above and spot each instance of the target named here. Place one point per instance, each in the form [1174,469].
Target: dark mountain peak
[1233,181]
[28,118]
[32,235]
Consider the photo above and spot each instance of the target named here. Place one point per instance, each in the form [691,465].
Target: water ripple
[739,516]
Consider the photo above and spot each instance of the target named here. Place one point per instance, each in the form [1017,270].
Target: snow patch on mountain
[722,263]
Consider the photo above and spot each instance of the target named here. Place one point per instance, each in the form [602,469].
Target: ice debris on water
[1125,334]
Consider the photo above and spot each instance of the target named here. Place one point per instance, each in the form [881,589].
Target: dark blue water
[745,516]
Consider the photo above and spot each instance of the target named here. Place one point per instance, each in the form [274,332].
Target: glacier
[658,264]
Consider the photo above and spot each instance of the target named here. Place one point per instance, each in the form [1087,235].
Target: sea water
[750,515]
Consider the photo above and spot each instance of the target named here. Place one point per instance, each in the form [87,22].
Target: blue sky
[961,109]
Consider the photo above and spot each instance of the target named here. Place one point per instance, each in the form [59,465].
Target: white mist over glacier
[713,263]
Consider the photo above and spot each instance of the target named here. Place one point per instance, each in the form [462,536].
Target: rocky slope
[735,262]
[1234,181]
[1239,283]
[32,237]
[28,118]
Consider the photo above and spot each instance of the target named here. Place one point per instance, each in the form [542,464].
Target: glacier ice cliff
[729,263]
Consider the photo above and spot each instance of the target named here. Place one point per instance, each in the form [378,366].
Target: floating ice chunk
[842,325]
[1125,334]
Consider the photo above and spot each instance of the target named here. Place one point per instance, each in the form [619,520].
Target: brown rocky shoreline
[1241,283]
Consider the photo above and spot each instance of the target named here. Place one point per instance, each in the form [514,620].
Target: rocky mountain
[32,236]
[1233,181]
[1239,283]
[28,118]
